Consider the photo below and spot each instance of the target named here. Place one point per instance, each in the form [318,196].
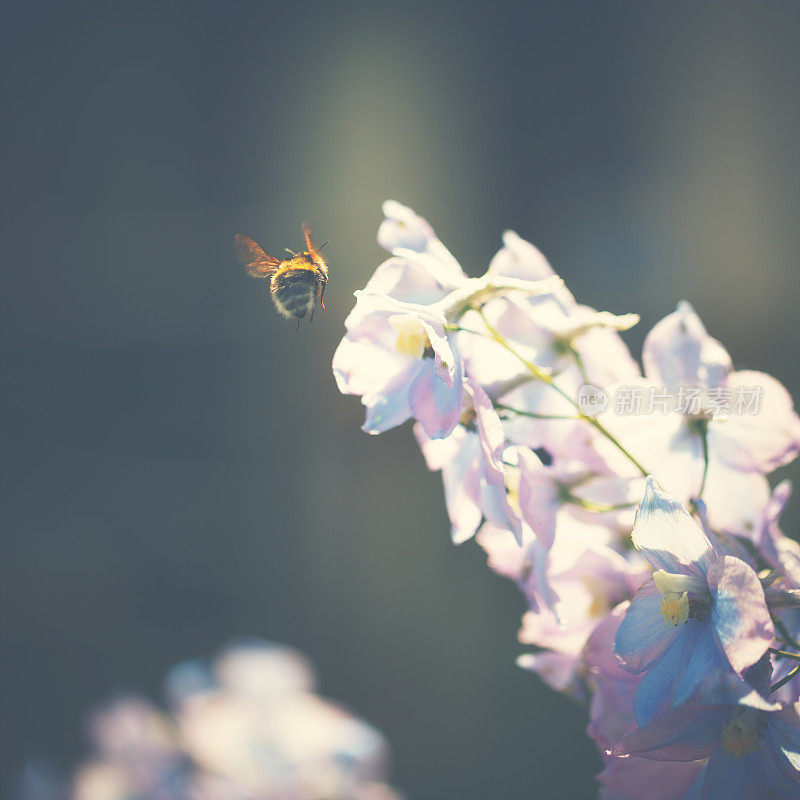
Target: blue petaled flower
[752,753]
[703,611]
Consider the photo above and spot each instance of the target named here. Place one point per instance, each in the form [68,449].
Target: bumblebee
[295,283]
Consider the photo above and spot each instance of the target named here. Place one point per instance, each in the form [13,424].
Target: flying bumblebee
[295,283]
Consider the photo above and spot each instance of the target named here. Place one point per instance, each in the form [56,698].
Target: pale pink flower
[746,418]
[568,490]
[569,589]
[398,357]
[401,349]
[473,472]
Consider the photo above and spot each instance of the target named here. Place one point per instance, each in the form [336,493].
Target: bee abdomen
[293,292]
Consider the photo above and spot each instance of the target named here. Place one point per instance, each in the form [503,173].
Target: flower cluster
[247,727]
[660,589]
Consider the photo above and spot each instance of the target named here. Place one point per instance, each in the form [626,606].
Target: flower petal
[407,280]
[494,495]
[739,612]
[386,410]
[438,453]
[661,681]
[634,778]
[436,405]
[760,441]
[599,650]
[605,357]
[735,500]
[782,747]
[735,778]
[687,733]
[445,358]
[518,258]
[504,555]
[669,448]
[490,428]
[362,366]
[643,635]
[779,551]
[538,497]
[557,670]
[539,589]
[462,486]
[679,353]
[705,661]
[667,536]
[403,227]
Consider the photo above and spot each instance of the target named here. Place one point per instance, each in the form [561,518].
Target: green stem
[705,462]
[601,508]
[701,428]
[533,414]
[784,632]
[785,679]
[579,361]
[784,654]
[545,377]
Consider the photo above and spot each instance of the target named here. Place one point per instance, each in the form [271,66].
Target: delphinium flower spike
[681,630]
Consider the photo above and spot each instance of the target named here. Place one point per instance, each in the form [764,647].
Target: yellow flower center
[675,608]
[512,479]
[598,591]
[741,733]
[412,340]
[675,590]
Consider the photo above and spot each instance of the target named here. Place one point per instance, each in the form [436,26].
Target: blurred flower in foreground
[248,726]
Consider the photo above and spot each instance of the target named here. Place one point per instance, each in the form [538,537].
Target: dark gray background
[179,469]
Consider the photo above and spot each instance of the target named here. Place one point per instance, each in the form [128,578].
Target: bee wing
[313,252]
[257,262]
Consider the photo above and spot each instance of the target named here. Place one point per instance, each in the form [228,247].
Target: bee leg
[297,327]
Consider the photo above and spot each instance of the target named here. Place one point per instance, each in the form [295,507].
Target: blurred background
[178,467]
